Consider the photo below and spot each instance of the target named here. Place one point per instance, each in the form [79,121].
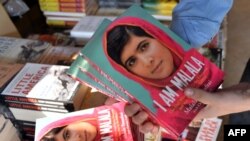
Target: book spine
[63,1]
[31,100]
[109,78]
[35,107]
[112,93]
[62,5]
[37,104]
[61,23]
[63,9]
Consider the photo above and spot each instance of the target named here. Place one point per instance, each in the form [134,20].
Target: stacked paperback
[67,12]
[158,90]
[96,124]
[41,90]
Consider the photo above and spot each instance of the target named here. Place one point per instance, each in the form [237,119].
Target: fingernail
[188,92]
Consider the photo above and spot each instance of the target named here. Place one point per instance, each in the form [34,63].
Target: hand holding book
[153,70]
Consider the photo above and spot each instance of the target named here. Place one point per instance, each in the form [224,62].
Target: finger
[132,109]
[149,127]
[140,118]
[201,95]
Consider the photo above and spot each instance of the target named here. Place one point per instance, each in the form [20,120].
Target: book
[89,75]
[56,39]
[61,23]
[70,1]
[99,123]
[21,114]
[65,14]
[117,3]
[61,18]
[41,83]
[209,129]
[63,9]
[36,107]
[19,50]
[62,4]
[162,98]
[87,25]
[88,7]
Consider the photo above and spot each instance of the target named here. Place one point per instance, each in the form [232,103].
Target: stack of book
[162,9]
[164,101]
[67,13]
[41,90]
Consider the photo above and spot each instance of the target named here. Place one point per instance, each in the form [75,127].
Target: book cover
[97,124]
[87,25]
[19,50]
[209,129]
[161,96]
[44,82]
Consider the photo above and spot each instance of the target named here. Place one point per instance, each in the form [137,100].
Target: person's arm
[226,101]
[198,21]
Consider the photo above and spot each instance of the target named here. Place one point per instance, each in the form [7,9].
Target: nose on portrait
[148,61]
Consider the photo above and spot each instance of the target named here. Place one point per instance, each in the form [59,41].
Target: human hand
[141,118]
[226,101]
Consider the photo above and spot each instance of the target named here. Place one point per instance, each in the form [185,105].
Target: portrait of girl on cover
[96,124]
[79,130]
[146,54]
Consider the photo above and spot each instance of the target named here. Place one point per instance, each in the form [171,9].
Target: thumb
[200,95]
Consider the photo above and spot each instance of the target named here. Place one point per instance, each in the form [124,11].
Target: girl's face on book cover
[78,131]
[147,57]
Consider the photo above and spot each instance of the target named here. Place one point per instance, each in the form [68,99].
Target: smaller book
[19,50]
[87,25]
[99,123]
[42,83]
[209,129]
